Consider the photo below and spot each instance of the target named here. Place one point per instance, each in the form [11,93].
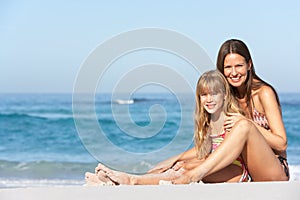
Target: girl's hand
[186,177]
[187,164]
[231,119]
[162,167]
[178,165]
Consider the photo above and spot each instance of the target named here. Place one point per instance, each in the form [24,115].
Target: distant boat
[123,101]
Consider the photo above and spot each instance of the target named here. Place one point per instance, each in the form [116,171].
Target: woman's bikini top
[260,118]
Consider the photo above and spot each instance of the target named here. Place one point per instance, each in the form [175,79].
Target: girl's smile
[212,102]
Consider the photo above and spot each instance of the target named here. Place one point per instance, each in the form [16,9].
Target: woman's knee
[243,126]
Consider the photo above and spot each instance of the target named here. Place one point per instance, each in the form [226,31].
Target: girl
[213,102]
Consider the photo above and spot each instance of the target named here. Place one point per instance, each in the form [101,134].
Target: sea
[52,140]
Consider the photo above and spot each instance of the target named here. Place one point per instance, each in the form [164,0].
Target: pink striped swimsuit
[216,141]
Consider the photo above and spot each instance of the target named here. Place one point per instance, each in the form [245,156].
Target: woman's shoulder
[265,95]
[265,91]
[261,89]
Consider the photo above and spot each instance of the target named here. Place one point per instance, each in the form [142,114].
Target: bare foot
[115,176]
[102,176]
[92,179]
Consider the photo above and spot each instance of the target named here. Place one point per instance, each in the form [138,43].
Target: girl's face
[236,69]
[212,102]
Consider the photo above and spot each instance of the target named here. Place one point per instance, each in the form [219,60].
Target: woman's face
[236,69]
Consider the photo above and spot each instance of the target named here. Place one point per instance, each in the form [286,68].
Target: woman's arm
[276,136]
[265,102]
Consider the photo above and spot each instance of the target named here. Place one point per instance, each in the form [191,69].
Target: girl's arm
[169,163]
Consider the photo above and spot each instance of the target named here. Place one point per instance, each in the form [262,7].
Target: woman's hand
[231,119]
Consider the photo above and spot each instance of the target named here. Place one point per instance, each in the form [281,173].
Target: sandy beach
[263,190]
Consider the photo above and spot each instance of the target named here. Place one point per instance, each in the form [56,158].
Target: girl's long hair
[213,82]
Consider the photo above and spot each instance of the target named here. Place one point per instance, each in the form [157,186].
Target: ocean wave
[123,101]
[43,169]
[17,115]
[128,101]
[41,116]
[17,183]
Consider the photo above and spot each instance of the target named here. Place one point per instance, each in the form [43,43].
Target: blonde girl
[213,102]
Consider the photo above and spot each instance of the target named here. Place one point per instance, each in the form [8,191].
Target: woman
[261,141]
[213,102]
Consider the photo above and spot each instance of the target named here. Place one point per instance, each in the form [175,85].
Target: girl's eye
[203,94]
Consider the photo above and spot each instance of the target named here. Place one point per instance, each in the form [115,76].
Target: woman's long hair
[212,82]
[239,47]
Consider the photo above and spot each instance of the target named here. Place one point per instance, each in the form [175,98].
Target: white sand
[254,191]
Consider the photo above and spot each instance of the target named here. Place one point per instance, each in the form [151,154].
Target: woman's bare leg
[92,180]
[244,139]
[260,159]
[231,173]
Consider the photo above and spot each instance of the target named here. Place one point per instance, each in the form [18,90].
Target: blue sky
[44,43]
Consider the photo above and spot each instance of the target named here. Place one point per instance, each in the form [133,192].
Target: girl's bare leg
[146,179]
[231,173]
